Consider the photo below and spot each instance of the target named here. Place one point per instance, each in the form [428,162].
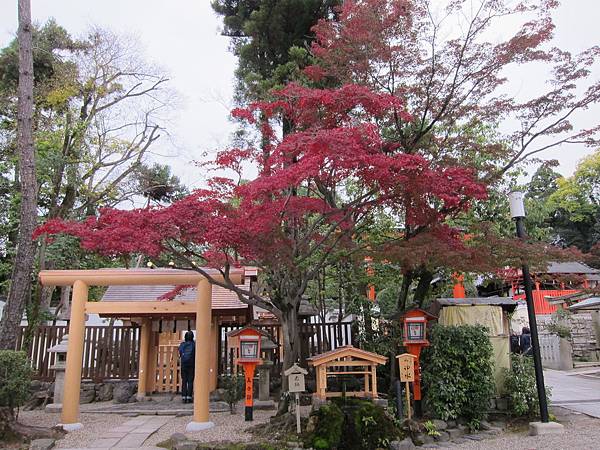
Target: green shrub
[458,372]
[521,387]
[328,430]
[234,390]
[352,424]
[15,378]
[373,426]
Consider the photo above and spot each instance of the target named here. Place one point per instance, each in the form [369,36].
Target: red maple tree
[445,61]
[317,187]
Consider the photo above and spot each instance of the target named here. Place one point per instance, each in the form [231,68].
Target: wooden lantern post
[249,339]
[414,326]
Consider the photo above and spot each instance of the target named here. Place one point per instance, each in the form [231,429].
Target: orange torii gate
[200,309]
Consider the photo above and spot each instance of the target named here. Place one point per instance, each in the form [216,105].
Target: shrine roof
[221,298]
[346,350]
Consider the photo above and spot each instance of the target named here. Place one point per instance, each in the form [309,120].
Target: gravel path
[94,425]
[227,427]
[582,433]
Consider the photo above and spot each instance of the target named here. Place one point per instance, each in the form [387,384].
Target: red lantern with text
[414,329]
[249,358]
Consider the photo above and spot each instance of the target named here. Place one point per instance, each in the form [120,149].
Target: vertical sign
[406,367]
[295,376]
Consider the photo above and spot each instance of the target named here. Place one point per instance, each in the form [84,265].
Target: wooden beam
[140,308]
[131,277]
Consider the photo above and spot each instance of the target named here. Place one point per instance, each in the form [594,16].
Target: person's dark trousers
[187,382]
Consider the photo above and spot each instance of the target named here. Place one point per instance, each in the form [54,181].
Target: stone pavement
[575,390]
[130,435]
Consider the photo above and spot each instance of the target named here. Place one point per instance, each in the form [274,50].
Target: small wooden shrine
[346,360]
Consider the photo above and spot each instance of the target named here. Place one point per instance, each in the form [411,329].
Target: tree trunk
[407,280]
[425,279]
[291,349]
[20,286]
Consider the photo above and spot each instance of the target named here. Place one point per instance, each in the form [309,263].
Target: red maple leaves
[315,185]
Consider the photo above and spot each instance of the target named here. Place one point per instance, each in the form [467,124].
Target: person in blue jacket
[187,356]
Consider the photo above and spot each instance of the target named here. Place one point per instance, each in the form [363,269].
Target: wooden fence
[112,352]
[108,352]
[315,338]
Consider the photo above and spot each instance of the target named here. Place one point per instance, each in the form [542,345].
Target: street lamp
[517,212]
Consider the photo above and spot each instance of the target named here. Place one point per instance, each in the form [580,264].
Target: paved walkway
[575,390]
[130,435]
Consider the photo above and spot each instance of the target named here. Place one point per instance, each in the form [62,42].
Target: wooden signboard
[295,376]
[296,382]
[406,363]
[406,367]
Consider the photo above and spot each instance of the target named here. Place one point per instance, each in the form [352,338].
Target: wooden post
[298,428]
[203,345]
[408,400]
[249,394]
[374,381]
[144,365]
[152,359]
[214,357]
[70,409]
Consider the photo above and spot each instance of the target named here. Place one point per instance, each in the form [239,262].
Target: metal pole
[535,344]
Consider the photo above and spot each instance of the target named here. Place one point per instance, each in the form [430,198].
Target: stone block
[539,428]
[440,425]
[178,437]
[104,392]
[87,396]
[455,433]
[422,439]
[405,444]
[42,444]
[502,404]
[123,391]
[474,437]
[185,445]
[443,436]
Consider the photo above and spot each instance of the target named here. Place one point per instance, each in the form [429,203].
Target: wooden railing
[108,352]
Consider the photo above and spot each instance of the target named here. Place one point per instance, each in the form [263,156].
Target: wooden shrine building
[347,360]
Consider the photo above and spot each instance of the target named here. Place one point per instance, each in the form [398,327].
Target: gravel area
[94,425]
[582,433]
[228,428]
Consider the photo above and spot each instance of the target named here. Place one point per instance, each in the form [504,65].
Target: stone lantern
[264,370]
[59,366]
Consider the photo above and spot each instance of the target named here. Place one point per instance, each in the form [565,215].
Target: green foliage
[15,377]
[328,431]
[373,426]
[431,428]
[353,424]
[521,387]
[234,390]
[269,38]
[458,372]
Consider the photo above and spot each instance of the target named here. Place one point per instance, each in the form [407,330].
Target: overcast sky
[183,37]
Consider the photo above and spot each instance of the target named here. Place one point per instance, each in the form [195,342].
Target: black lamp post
[517,212]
